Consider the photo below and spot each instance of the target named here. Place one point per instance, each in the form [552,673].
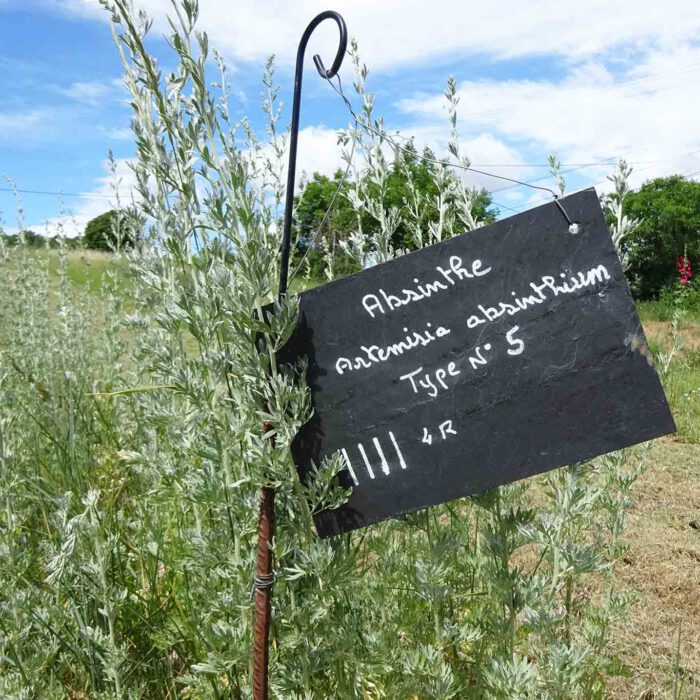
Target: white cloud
[318,151]
[399,31]
[485,150]
[650,114]
[98,200]
[118,134]
[81,8]
[93,93]
[88,93]
[14,124]
[628,87]
[627,90]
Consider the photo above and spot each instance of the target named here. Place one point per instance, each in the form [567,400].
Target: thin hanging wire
[85,195]
[573,227]
[383,135]
[595,184]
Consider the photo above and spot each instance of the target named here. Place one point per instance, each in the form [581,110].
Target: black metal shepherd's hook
[264,574]
[296,104]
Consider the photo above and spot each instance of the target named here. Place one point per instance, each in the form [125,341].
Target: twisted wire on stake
[264,574]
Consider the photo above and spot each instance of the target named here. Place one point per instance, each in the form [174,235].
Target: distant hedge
[36,240]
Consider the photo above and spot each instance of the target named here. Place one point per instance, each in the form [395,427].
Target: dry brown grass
[662,568]
[661,332]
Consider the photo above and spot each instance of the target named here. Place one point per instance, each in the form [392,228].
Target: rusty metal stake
[264,573]
[264,578]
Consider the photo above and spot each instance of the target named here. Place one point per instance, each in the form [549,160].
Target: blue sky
[589,82]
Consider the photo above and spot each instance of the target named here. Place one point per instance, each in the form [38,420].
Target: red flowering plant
[685,270]
[682,293]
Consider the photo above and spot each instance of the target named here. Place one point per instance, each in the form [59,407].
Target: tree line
[666,211]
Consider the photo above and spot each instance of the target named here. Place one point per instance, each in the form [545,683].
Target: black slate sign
[495,355]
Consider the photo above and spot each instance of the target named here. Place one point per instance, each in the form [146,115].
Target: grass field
[83,267]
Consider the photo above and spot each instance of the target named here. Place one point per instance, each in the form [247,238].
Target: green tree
[113,230]
[315,229]
[668,210]
[323,227]
[422,173]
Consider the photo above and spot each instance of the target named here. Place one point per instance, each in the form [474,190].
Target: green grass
[84,268]
[663,310]
[682,385]
[683,390]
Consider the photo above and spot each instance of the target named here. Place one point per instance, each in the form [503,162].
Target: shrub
[668,214]
[30,239]
[113,230]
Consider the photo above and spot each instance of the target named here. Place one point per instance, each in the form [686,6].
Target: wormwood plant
[132,455]
[621,225]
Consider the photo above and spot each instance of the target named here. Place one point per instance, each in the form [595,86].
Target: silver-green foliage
[132,456]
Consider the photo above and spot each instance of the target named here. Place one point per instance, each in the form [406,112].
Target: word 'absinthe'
[383,302]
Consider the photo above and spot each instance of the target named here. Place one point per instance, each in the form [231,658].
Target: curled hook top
[294,128]
[342,44]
